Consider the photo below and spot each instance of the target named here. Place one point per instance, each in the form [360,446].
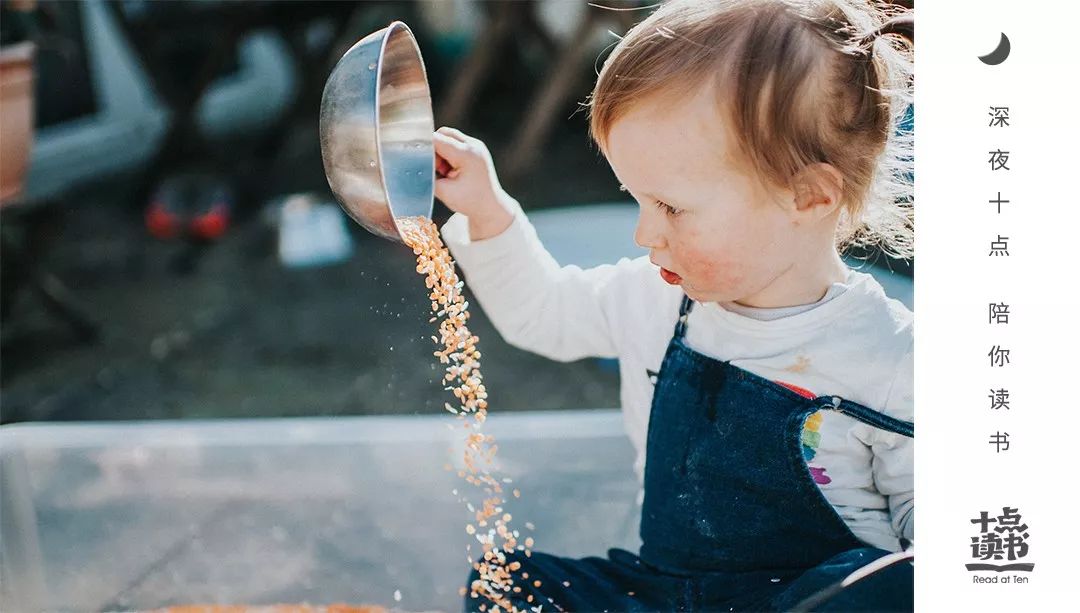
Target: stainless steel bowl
[375,131]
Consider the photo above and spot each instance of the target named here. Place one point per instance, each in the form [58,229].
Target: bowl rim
[390,30]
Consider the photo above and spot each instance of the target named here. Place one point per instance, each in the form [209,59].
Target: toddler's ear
[817,188]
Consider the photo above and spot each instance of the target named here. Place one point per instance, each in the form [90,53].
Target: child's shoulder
[887,328]
[889,315]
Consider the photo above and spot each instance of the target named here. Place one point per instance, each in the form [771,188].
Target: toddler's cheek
[707,263]
[714,274]
[732,270]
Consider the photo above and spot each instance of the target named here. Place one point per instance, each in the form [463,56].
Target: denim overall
[732,519]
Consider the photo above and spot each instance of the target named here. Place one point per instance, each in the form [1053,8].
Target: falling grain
[459,352]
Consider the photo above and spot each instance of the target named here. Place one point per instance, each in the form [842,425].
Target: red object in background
[195,205]
[212,224]
[162,223]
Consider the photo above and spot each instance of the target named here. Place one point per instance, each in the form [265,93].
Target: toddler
[765,385]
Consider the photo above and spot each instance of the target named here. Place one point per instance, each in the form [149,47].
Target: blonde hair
[802,82]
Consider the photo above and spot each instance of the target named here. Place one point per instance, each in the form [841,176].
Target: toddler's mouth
[670,277]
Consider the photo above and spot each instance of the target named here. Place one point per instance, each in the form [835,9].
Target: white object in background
[588,235]
[311,233]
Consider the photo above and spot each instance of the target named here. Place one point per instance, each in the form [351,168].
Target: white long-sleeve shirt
[855,342]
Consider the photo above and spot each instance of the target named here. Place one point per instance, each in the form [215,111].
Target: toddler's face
[702,216]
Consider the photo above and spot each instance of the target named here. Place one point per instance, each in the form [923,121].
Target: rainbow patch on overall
[811,437]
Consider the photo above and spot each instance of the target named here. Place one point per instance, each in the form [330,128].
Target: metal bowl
[375,131]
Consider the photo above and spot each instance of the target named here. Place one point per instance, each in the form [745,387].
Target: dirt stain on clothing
[801,364]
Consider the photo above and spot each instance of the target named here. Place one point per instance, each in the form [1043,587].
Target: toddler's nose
[647,235]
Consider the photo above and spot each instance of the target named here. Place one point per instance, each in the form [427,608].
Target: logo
[1000,538]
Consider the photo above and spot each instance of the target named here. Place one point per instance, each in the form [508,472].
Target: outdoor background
[102,320]
[172,261]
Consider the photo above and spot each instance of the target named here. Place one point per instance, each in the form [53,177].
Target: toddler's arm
[894,454]
[563,313]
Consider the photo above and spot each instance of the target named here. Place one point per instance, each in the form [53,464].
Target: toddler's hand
[466,183]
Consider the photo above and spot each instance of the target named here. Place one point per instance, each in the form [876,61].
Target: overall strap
[868,416]
[684,311]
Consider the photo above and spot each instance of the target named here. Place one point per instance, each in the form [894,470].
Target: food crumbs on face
[463,378]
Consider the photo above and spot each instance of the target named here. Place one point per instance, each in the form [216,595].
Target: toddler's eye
[670,210]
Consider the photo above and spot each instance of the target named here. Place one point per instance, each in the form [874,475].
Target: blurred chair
[183,48]
[19,232]
[187,49]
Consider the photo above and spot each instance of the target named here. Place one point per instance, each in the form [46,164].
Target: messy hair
[801,82]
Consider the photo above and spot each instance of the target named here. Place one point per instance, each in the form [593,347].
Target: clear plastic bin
[122,516]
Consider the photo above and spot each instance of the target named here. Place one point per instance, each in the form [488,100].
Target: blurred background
[129,293]
[172,258]
[148,269]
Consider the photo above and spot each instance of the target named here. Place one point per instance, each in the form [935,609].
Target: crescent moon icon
[999,54]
